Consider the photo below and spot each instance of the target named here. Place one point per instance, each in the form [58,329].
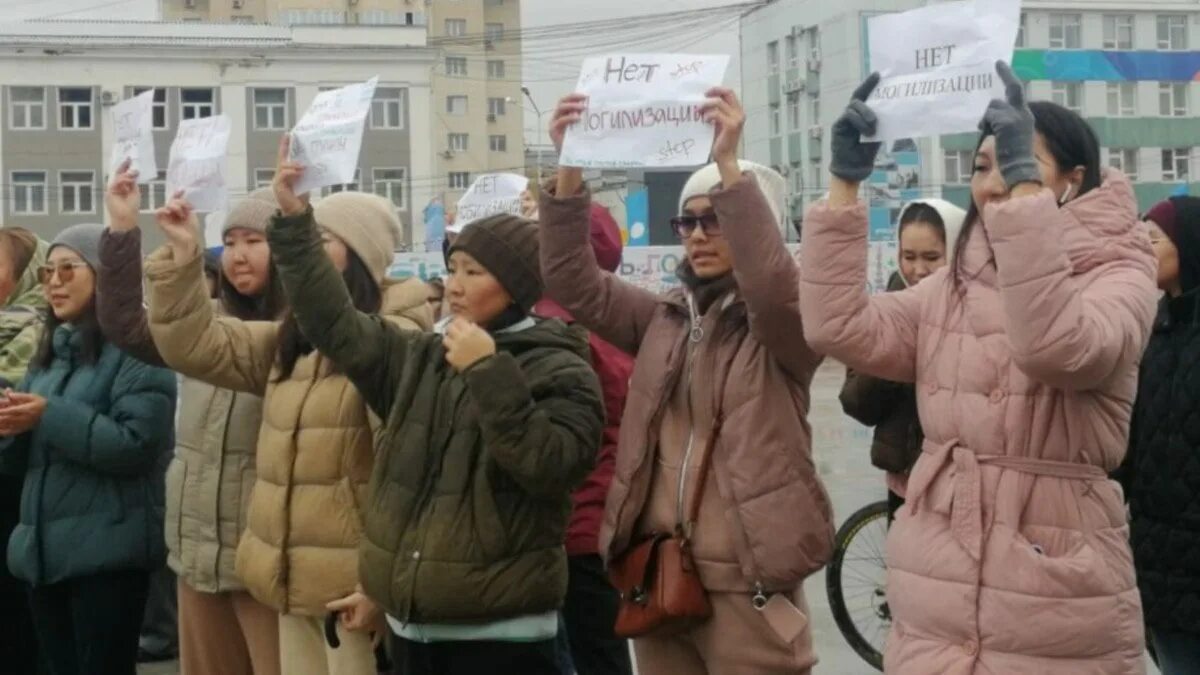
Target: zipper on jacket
[220,483]
[695,337]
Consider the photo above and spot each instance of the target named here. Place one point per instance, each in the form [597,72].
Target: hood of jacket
[28,291]
[545,334]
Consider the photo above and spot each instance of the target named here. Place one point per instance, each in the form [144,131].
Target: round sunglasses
[66,272]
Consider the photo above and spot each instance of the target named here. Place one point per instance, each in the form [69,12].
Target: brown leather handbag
[660,589]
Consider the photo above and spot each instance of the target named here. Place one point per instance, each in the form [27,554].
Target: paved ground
[840,448]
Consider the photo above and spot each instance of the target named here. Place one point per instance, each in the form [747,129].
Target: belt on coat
[966,510]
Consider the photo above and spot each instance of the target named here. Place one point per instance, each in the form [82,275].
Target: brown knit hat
[252,213]
[366,223]
[507,246]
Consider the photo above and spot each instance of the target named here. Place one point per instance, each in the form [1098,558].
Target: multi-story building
[477,113]
[1126,65]
[61,80]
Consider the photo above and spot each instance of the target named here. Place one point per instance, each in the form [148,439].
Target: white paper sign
[644,111]
[197,164]
[490,194]
[938,65]
[328,137]
[133,136]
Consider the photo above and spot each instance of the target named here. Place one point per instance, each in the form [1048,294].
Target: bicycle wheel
[855,582]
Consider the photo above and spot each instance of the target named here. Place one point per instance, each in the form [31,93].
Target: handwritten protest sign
[133,136]
[644,111]
[938,65]
[328,137]
[197,164]
[490,194]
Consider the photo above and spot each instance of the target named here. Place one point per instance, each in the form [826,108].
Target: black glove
[854,159]
[1011,122]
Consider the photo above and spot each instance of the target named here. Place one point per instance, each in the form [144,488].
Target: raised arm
[192,340]
[370,350]
[617,311]
[120,306]
[1064,332]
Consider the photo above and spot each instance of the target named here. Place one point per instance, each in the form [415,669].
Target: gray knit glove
[853,159]
[1011,122]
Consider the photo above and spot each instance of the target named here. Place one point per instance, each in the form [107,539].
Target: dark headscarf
[1179,219]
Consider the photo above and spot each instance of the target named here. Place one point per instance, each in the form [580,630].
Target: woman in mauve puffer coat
[1012,554]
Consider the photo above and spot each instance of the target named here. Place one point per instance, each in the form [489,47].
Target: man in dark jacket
[590,611]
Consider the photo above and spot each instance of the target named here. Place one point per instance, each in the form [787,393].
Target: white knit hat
[366,222]
[952,220]
[773,186]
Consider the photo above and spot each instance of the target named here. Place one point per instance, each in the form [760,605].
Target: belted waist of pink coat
[966,510]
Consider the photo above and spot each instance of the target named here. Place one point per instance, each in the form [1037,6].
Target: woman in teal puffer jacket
[86,430]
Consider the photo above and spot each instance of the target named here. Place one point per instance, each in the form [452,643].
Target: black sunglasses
[684,226]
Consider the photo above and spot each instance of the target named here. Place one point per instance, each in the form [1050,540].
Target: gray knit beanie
[252,213]
[82,239]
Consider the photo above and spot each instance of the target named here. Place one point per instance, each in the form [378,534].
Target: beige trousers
[305,651]
[226,634]
[737,640]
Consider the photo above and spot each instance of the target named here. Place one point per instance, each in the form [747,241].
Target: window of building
[158,112]
[460,180]
[776,120]
[77,192]
[344,187]
[270,109]
[456,27]
[457,142]
[456,66]
[197,103]
[387,108]
[1124,160]
[495,69]
[493,32]
[154,194]
[1118,31]
[1172,32]
[456,105]
[241,18]
[29,192]
[1066,31]
[793,104]
[1122,99]
[498,143]
[389,183]
[959,165]
[1172,99]
[497,106]
[814,110]
[1021,30]
[75,107]
[1067,94]
[263,178]
[27,107]
[793,51]
[773,57]
[1175,164]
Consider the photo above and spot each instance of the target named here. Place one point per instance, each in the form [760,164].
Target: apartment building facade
[61,80]
[477,114]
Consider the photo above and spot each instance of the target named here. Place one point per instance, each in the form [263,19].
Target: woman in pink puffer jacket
[1012,554]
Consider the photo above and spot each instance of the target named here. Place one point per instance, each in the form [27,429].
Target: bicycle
[856,582]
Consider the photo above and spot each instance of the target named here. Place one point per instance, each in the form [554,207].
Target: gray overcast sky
[548,75]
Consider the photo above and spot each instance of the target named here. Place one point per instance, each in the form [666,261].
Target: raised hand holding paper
[197,164]
[644,110]
[490,194]
[328,137]
[133,136]
[938,65]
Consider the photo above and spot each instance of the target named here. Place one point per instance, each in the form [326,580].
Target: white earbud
[1066,195]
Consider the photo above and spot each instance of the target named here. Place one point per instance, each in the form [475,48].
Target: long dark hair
[920,212]
[365,293]
[1071,142]
[88,327]
[266,306]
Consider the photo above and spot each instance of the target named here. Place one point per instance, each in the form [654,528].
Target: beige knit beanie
[366,222]
[252,213]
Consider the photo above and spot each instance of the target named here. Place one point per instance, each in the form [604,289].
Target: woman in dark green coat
[86,428]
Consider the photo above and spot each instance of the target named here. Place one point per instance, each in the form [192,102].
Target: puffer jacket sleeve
[126,440]
[1063,333]
[19,350]
[120,306]
[766,275]
[876,335]
[616,310]
[371,350]
[544,436]
[222,351]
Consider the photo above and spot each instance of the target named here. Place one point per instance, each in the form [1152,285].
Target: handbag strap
[706,460]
